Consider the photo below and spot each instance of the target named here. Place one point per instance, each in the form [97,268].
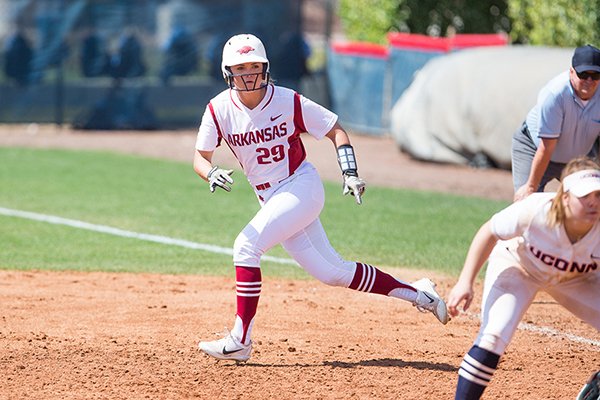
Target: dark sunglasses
[585,75]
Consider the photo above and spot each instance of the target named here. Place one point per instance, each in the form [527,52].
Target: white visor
[582,183]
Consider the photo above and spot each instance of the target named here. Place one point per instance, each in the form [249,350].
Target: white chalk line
[547,331]
[129,234]
[544,330]
[228,251]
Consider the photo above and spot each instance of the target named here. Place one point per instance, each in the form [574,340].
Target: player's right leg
[508,292]
[287,209]
[227,348]
[310,247]
[236,345]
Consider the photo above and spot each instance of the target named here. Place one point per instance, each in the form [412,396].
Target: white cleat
[428,300]
[227,348]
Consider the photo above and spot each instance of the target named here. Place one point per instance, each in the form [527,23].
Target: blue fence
[408,54]
[357,73]
[366,80]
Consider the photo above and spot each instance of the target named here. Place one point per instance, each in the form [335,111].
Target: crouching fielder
[548,241]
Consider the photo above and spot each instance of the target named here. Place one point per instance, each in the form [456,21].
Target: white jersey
[546,253]
[265,140]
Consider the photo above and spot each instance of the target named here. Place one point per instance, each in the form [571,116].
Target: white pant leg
[508,293]
[311,249]
[287,210]
[581,296]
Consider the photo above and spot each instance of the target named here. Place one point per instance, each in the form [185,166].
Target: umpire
[564,124]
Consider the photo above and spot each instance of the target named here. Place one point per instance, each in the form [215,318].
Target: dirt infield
[128,336]
[133,336]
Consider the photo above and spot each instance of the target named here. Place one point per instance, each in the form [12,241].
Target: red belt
[266,185]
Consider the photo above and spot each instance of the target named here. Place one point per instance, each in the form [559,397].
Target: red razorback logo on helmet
[245,50]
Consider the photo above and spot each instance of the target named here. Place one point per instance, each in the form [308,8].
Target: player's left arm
[347,161]
[338,135]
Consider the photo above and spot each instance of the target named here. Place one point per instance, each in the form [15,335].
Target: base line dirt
[133,336]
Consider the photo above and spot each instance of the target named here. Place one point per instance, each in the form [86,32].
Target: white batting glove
[219,177]
[355,186]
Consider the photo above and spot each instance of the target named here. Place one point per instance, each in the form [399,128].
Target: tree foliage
[558,22]
[369,20]
[442,18]
[565,23]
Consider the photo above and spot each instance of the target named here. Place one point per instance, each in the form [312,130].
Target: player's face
[248,76]
[584,84]
[585,209]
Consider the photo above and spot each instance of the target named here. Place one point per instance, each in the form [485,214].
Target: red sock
[248,286]
[372,280]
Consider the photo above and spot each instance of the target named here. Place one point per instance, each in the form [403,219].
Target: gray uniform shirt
[559,113]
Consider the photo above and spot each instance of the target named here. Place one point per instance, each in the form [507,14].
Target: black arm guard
[347,160]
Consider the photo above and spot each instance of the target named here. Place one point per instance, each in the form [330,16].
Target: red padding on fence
[361,49]
[463,40]
[413,41]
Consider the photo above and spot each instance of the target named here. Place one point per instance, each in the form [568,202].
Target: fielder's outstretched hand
[219,177]
[461,292]
[355,186]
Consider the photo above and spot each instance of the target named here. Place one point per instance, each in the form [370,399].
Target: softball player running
[548,241]
[261,123]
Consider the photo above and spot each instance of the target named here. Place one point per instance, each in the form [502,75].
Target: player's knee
[492,342]
[244,253]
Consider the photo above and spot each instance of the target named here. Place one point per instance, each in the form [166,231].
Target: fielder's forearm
[479,251]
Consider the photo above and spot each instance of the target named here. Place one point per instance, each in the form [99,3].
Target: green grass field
[393,228]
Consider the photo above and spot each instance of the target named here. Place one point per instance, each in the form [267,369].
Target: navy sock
[475,373]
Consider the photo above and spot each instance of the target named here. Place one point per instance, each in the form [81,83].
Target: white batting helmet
[241,49]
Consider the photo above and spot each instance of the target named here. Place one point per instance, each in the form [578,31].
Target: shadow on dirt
[383,362]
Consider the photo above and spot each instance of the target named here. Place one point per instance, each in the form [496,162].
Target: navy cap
[586,58]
